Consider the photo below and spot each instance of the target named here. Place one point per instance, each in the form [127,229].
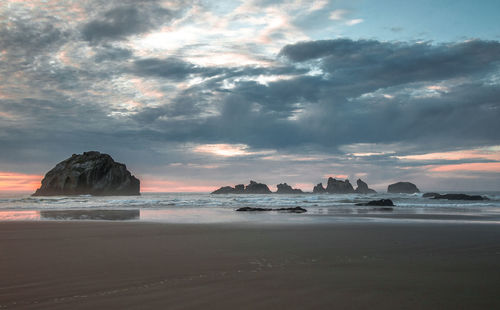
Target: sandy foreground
[133,265]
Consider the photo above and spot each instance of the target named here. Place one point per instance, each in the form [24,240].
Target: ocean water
[207,208]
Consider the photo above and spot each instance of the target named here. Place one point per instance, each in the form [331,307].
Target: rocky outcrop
[289,210]
[363,188]
[224,190]
[90,173]
[284,188]
[403,187]
[380,203]
[252,188]
[237,189]
[335,186]
[257,188]
[455,196]
[319,189]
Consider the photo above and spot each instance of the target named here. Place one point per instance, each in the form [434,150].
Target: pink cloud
[484,167]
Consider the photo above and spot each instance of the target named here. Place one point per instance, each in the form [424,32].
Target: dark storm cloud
[395,63]
[172,68]
[120,22]
[332,108]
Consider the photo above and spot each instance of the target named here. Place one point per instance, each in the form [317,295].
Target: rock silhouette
[363,188]
[454,196]
[335,186]
[381,202]
[284,188]
[90,173]
[252,188]
[403,187]
[319,189]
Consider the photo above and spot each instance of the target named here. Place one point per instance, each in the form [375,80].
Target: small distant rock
[459,197]
[252,188]
[284,188]
[363,188]
[289,210]
[430,195]
[381,202]
[319,189]
[403,187]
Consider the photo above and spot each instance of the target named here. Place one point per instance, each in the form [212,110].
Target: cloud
[353,22]
[122,21]
[338,14]
[150,83]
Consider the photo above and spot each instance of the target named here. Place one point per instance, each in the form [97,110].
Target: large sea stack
[335,186]
[90,173]
[403,187]
[363,188]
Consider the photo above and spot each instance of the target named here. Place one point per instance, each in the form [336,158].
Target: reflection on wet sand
[19,215]
[108,215]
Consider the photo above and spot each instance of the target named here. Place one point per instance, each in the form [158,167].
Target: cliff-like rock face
[257,188]
[252,188]
[90,173]
[284,188]
[403,187]
[319,189]
[335,186]
[363,188]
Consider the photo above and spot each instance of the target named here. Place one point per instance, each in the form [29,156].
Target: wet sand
[134,265]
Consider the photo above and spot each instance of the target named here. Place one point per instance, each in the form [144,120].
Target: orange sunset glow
[19,182]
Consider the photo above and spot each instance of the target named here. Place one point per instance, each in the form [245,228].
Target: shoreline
[134,265]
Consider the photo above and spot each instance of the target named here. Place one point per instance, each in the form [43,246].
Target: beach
[140,265]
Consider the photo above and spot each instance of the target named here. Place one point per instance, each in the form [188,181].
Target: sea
[209,208]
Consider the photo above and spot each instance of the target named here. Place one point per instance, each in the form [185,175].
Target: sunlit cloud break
[229,150]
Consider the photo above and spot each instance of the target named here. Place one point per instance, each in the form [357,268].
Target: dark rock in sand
[383,209]
[290,210]
[335,186]
[363,188]
[319,189]
[381,202]
[284,188]
[257,188]
[459,197]
[90,173]
[403,187]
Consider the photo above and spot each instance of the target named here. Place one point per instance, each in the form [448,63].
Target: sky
[194,95]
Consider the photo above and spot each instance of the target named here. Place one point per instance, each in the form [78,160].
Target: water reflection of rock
[105,215]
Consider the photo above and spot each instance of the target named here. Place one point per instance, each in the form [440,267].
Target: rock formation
[363,188]
[403,187]
[381,202]
[257,188]
[252,188]
[319,189]
[335,186]
[90,173]
[454,196]
[289,210]
[284,188]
